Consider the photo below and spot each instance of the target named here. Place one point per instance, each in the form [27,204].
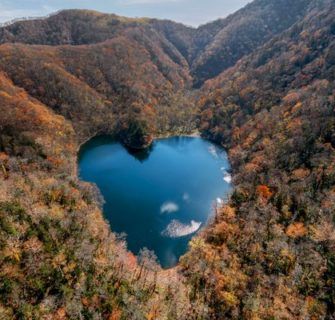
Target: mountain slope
[75,27]
[58,257]
[90,84]
[208,50]
[270,252]
[242,32]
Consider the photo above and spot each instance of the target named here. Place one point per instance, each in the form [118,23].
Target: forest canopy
[260,83]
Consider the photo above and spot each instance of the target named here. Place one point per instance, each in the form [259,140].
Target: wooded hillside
[269,253]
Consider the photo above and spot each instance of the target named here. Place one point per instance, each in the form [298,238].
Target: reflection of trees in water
[139,154]
[142,154]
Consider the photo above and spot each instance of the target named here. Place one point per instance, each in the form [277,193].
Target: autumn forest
[260,83]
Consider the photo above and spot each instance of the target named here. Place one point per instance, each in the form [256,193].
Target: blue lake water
[159,197]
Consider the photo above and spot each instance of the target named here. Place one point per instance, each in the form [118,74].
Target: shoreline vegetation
[193,134]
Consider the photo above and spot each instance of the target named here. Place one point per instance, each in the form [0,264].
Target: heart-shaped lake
[159,197]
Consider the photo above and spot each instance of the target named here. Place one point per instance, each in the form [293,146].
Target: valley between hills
[260,83]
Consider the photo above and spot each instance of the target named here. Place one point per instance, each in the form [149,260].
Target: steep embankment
[270,253]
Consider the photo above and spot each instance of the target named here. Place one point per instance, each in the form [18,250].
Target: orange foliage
[258,159]
[297,107]
[314,308]
[60,314]
[3,157]
[224,231]
[236,134]
[54,161]
[291,98]
[33,244]
[264,191]
[296,230]
[228,211]
[115,315]
[85,301]
[294,124]
[132,259]
[251,167]
[250,139]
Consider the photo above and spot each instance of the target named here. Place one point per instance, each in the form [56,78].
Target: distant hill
[132,61]
[209,50]
[122,65]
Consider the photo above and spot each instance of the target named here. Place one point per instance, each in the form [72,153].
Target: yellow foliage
[315,308]
[59,260]
[5,313]
[69,267]
[197,243]
[151,315]
[229,298]
[255,251]
[13,253]
[228,211]
[287,255]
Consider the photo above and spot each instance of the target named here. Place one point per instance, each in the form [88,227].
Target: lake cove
[159,197]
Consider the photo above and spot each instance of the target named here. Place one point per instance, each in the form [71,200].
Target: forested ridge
[260,83]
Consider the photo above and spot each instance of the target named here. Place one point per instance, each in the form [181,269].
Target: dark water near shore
[159,197]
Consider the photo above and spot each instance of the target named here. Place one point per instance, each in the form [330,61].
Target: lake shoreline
[194,134]
[183,206]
